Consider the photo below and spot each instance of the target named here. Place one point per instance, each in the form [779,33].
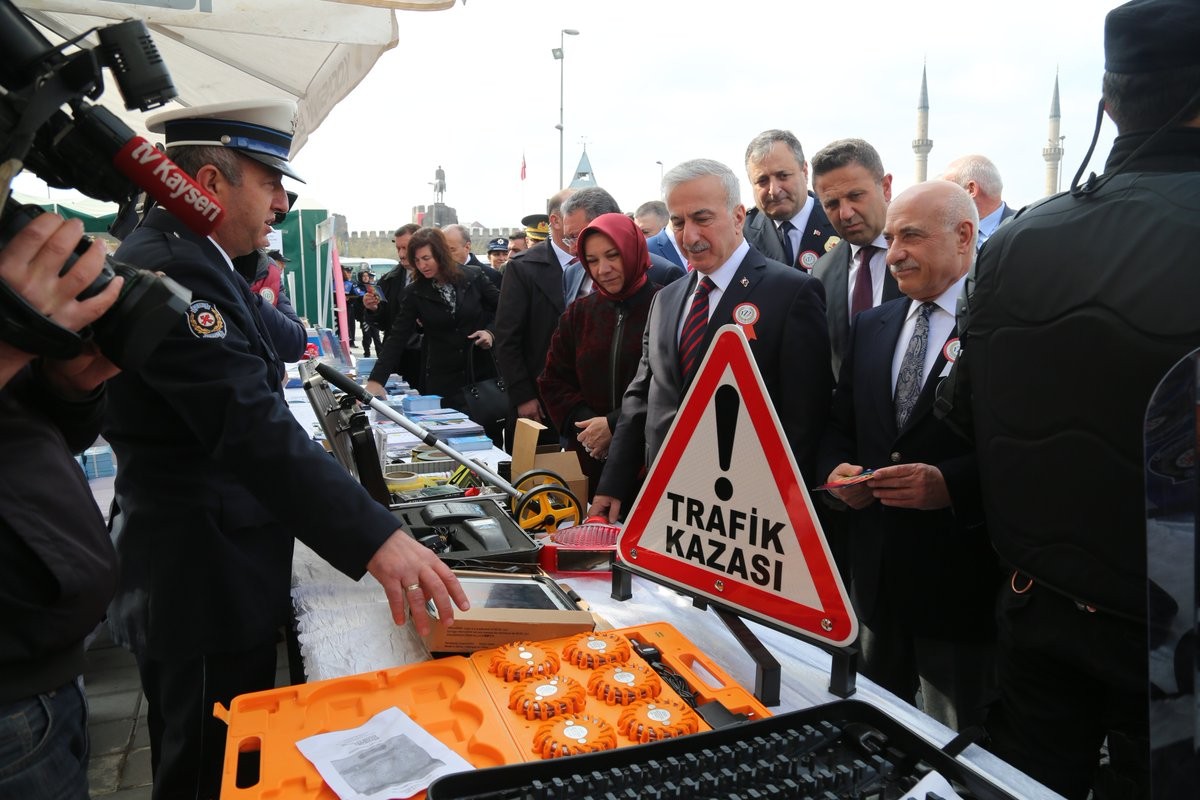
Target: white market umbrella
[315,51]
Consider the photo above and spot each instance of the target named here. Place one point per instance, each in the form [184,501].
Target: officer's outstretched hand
[411,573]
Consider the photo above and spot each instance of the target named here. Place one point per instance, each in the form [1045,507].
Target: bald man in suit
[923,574]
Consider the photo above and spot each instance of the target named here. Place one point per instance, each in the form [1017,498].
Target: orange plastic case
[521,702]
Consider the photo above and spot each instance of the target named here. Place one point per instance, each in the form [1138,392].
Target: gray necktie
[908,382]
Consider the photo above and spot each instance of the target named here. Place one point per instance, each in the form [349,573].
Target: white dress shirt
[878,269]
[564,257]
[721,276]
[799,226]
[941,322]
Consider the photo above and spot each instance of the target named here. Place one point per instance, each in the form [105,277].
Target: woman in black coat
[453,304]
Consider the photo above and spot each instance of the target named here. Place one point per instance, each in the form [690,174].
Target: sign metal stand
[724,517]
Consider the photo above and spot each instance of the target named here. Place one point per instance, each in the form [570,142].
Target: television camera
[48,125]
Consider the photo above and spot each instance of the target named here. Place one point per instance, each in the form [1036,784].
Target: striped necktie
[693,329]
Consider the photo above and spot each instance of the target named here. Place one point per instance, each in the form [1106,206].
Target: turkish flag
[522,166]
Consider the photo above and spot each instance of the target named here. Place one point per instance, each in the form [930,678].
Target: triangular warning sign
[724,514]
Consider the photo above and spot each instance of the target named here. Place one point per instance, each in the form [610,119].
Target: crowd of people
[1003,437]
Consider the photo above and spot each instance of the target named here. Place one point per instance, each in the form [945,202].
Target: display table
[346,628]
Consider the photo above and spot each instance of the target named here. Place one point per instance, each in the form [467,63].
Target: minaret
[922,144]
[1053,151]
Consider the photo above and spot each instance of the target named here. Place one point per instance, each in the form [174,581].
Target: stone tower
[1053,151]
[922,144]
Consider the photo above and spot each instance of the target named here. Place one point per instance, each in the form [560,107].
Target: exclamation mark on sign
[727,404]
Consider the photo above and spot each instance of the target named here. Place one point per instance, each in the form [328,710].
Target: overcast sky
[475,87]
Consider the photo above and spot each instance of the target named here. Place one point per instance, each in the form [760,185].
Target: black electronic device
[48,125]
[480,531]
[442,513]
[846,749]
[430,493]
[486,531]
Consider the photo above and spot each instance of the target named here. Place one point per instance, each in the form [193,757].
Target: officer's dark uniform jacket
[215,476]
[288,335]
[1079,307]
[57,566]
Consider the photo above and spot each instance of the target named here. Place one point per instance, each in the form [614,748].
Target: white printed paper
[389,756]
[933,784]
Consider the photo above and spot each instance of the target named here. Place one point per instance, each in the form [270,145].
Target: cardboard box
[480,629]
[486,627]
[565,464]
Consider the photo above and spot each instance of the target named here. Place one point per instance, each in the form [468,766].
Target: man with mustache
[787,222]
[783,305]
[216,478]
[923,577]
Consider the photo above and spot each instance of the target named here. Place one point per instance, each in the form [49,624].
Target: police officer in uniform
[216,477]
[1077,309]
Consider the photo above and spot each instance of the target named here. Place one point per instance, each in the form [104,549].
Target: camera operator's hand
[79,376]
[30,265]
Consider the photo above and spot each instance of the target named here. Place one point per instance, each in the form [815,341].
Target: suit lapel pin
[745,282]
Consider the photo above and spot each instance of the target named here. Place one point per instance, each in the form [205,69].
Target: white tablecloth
[346,628]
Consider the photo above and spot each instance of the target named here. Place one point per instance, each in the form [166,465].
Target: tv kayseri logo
[177,183]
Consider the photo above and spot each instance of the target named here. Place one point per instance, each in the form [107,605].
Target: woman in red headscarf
[595,351]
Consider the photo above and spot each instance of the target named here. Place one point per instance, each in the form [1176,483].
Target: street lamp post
[660,175]
[557,52]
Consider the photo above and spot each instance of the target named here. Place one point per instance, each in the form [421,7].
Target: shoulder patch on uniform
[268,294]
[205,321]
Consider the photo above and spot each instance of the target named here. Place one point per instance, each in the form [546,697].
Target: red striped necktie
[693,329]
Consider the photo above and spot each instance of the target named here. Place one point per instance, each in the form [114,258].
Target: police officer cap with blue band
[258,129]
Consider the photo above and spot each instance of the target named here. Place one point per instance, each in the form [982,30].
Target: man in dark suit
[979,176]
[215,471]
[652,218]
[531,301]
[923,577]
[787,223]
[853,189]
[458,238]
[578,211]
[384,304]
[783,305]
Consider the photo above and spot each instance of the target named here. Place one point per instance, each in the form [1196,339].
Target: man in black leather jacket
[1076,311]
[57,566]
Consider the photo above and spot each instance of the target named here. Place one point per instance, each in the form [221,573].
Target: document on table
[389,756]
[933,787]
